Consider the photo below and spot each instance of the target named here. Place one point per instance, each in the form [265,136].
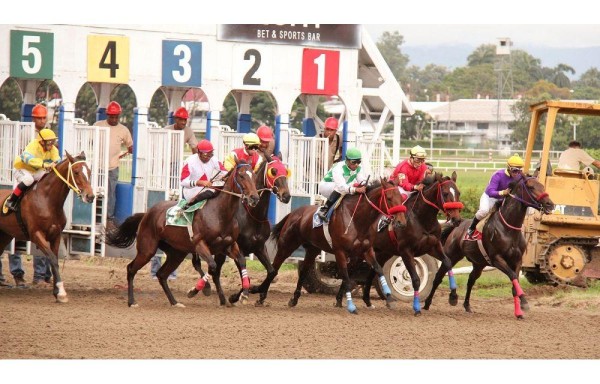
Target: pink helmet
[113,108]
[205,146]
[331,123]
[182,113]
[264,133]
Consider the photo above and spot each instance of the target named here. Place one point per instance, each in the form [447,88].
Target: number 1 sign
[320,72]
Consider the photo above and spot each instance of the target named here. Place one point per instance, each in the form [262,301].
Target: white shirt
[194,169]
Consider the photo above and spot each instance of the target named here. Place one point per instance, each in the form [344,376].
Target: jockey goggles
[515,169]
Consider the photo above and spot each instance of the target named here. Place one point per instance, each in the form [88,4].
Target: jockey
[39,156]
[497,188]
[411,172]
[248,153]
[267,142]
[200,172]
[345,177]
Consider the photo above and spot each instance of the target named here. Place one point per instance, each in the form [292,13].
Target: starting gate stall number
[31,55]
[108,59]
[181,63]
[252,67]
[320,72]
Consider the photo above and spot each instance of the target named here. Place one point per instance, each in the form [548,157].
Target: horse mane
[260,172]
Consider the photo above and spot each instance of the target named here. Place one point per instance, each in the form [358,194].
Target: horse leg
[369,257]
[216,275]
[241,264]
[174,258]
[340,295]
[262,256]
[341,261]
[145,251]
[411,267]
[51,252]
[473,276]
[439,276]
[517,292]
[438,253]
[197,264]
[309,262]
[202,251]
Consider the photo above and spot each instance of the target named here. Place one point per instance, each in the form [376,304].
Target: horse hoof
[338,305]
[206,291]
[192,292]
[178,305]
[418,313]
[520,317]
[371,306]
[244,300]
[260,304]
[233,299]
[292,303]
[134,305]
[354,312]
[62,299]
[453,301]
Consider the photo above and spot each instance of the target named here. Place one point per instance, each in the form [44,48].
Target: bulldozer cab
[562,248]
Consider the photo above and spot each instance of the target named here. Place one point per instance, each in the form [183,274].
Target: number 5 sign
[108,59]
[31,55]
[320,72]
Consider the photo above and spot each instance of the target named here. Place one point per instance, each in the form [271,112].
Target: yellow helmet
[46,134]
[515,161]
[418,152]
[251,139]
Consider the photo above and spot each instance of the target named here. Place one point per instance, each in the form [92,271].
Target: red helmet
[182,113]
[113,108]
[39,111]
[205,146]
[331,123]
[264,133]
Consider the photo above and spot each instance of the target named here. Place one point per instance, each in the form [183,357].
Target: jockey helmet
[39,111]
[205,146]
[418,152]
[353,154]
[113,108]
[515,161]
[182,113]
[264,133]
[331,123]
[251,139]
[46,134]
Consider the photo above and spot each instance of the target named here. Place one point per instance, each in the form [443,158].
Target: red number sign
[320,72]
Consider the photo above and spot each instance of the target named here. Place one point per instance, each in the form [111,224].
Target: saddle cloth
[178,217]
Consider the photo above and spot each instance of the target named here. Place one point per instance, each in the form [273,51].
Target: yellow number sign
[108,59]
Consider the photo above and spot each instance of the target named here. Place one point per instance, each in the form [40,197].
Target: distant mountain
[581,59]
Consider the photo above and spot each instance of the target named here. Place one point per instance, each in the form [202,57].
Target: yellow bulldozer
[562,248]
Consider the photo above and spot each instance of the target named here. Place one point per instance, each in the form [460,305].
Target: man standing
[334,153]
[119,136]
[181,117]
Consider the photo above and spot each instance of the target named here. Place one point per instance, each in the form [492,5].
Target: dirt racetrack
[96,323]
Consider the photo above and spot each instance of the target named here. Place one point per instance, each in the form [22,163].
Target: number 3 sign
[320,72]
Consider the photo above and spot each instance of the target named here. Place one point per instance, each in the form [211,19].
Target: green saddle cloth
[178,217]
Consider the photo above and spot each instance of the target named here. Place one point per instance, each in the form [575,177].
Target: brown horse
[421,234]
[40,217]
[253,222]
[503,243]
[213,227]
[350,231]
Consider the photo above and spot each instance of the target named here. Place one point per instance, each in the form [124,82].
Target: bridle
[531,202]
[71,178]
[445,205]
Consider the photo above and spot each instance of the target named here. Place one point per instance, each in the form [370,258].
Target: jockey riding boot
[322,212]
[11,203]
[204,195]
[472,227]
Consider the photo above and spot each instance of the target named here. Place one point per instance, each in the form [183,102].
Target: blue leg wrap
[384,286]
[452,282]
[350,303]
[416,304]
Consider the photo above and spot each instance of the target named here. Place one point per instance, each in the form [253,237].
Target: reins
[529,204]
[70,176]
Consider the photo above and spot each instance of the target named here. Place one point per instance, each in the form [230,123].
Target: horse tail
[124,235]
[276,230]
[446,231]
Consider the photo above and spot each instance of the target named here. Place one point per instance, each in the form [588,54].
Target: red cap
[182,113]
[331,123]
[264,133]
[205,146]
[113,108]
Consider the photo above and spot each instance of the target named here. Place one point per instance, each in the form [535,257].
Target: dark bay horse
[503,243]
[350,231]
[214,231]
[40,217]
[421,234]
[255,228]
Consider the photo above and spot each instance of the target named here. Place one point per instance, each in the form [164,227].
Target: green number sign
[31,54]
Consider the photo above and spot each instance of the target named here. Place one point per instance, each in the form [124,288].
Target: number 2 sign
[320,72]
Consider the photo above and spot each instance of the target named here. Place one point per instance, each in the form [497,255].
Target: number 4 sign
[320,72]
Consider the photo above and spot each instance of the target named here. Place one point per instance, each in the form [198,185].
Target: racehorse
[421,234]
[253,221]
[502,244]
[40,217]
[349,230]
[214,231]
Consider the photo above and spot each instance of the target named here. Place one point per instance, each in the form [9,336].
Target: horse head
[390,202]
[449,197]
[529,191]
[276,175]
[76,173]
[244,182]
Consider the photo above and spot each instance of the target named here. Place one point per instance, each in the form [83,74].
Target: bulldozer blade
[592,269]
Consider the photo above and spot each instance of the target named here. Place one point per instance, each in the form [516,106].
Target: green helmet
[353,154]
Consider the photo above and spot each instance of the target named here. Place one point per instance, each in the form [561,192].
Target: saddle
[179,217]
